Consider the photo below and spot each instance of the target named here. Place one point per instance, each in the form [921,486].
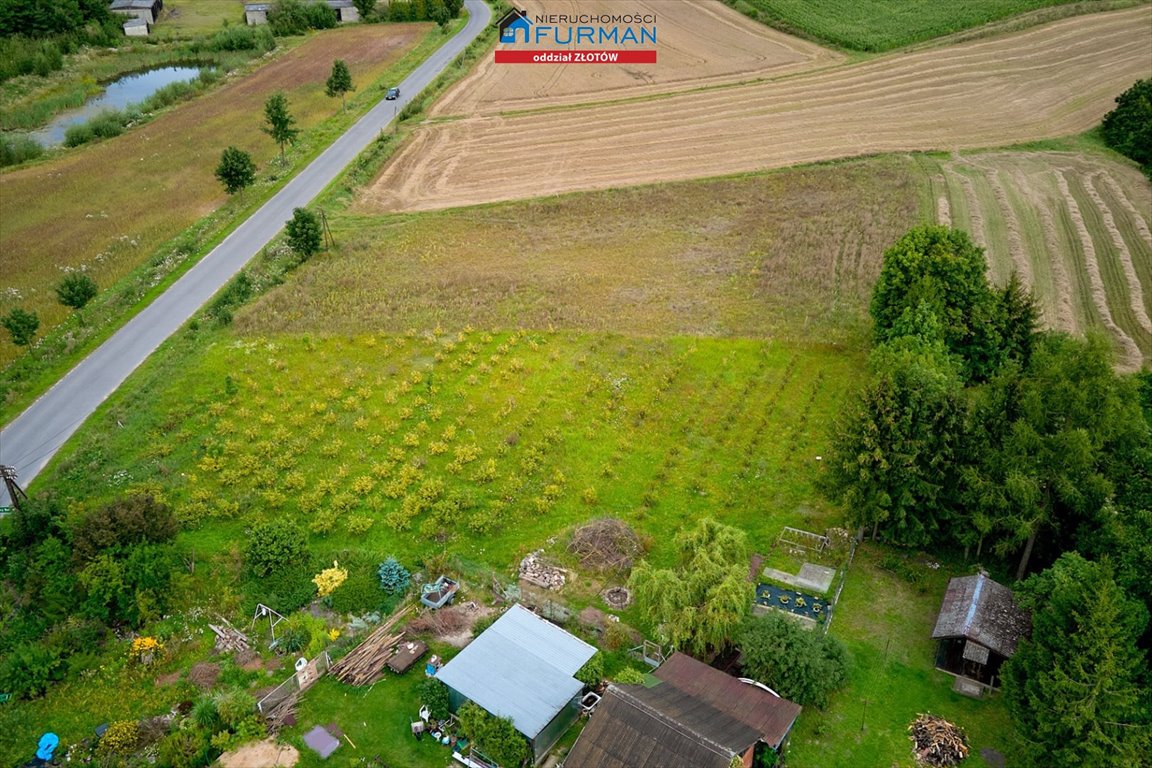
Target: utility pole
[331,241]
[15,492]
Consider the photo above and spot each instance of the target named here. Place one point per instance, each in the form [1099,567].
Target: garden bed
[792,601]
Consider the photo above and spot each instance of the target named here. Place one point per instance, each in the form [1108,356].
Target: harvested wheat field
[106,207]
[699,44]
[1048,81]
[1074,227]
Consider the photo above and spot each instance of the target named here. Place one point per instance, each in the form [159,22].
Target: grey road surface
[33,437]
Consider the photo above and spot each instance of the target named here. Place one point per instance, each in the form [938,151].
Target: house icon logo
[511,23]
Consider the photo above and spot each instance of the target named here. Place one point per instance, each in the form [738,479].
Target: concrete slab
[812,578]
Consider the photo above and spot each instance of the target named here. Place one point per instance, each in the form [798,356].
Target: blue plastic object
[48,744]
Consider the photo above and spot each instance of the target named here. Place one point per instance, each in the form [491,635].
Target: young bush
[122,524]
[188,748]
[629,676]
[235,707]
[496,737]
[18,149]
[76,290]
[121,738]
[802,665]
[592,672]
[434,695]
[272,546]
[394,578]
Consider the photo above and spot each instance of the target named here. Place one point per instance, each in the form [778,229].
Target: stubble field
[700,44]
[1048,81]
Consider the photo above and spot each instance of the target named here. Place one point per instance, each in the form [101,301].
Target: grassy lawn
[881,25]
[887,625]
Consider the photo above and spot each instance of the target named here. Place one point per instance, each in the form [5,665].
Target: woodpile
[366,663]
[606,544]
[229,639]
[534,571]
[937,742]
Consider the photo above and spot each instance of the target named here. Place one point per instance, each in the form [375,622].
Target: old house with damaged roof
[693,716]
[979,627]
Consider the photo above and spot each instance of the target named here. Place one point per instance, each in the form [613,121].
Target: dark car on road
[393,94]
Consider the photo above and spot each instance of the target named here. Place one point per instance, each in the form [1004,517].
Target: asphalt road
[33,437]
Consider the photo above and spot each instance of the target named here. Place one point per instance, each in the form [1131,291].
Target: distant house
[257,13]
[522,667]
[979,627]
[694,717]
[147,10]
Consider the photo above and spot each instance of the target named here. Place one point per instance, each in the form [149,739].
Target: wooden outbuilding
[148,10]
[693,717]
[978,628]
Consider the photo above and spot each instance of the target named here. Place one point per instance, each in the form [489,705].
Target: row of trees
[975,429]
[978,431]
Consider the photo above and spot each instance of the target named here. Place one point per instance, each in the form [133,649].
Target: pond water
[130,89]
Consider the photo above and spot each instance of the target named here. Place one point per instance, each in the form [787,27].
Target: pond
[130,89]
[799,603]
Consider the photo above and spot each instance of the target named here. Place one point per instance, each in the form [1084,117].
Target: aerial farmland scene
[576,383]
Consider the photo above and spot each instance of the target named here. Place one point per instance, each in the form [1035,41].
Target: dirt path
[1047,81]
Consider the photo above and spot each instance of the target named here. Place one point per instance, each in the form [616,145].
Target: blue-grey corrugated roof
[520,667]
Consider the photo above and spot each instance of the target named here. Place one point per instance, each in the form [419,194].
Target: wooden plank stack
[937,742]
[365,664]
[229,639]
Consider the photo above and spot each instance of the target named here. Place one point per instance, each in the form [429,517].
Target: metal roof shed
[522,667]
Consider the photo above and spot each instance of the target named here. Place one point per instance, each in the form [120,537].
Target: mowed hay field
[791,254]
[1052,80]
[1075,228]
[699,44]
[106,207]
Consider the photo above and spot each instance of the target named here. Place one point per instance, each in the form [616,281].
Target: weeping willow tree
[698,605]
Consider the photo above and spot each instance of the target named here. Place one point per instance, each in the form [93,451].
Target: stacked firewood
[937,742]
[365,664]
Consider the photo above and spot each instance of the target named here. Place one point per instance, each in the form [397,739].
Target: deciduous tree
[21,325]
[236,170]
[943,268]
[1128,128]
[496,737]
[803,665]
[698,605]
[278,122]
[304,233]
[339,82]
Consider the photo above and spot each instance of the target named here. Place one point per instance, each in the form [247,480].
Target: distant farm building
[979,627]
[257,13]
[694,716]
[522,667]
[146,10]
[136,28]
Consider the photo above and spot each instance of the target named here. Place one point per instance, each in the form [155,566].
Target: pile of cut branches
[937,742]
[606,544]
